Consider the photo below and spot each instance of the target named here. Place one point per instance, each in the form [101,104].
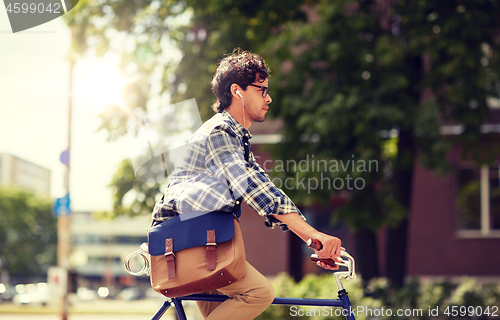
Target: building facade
[454,221]
[99,247]
[18,172]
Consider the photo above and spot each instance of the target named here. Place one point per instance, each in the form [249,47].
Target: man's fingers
[332,249]
[327,266]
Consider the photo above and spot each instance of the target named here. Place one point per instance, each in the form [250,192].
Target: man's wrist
[298,226]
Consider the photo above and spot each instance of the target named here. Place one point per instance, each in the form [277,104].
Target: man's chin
[262,118]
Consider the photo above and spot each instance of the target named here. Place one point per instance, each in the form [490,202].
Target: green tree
[28,233]
[368,75]
[124,182]
[352,80]
[172,50]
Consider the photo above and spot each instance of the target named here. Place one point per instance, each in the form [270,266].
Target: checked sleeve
[225,159]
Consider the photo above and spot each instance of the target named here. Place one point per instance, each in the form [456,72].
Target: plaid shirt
[213,172]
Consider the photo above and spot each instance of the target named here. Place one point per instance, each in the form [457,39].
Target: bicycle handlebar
[347,261]
[314,244]
[317,245]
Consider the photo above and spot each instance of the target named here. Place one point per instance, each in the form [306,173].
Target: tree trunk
[395,265]
[366,253]
[295,257]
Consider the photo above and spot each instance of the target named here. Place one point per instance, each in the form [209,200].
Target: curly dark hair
[240,67]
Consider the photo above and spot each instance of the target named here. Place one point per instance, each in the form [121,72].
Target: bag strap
[246,146]
[170,257]
[211,241]
[237,207]
[211,246]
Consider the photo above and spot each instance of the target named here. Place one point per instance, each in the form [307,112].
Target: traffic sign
[62,206]
[65,157]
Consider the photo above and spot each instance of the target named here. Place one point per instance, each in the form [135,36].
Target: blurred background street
[384,130]
[97,310]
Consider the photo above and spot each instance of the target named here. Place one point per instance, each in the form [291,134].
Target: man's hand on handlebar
[331,245]
[331,250]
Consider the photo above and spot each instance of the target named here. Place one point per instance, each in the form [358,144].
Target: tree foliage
[170,50]
[353,80]
[28,233]
[363,75]
[142,195]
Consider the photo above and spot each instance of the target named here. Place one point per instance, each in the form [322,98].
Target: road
[80,317]
[97,310]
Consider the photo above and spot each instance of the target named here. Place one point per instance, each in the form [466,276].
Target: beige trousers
[248,297]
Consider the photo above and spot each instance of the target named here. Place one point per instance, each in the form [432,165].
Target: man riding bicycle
[241,86]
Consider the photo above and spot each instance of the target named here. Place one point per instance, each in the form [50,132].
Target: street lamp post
[63,225]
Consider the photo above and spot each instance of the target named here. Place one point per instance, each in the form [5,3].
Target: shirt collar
[238,128]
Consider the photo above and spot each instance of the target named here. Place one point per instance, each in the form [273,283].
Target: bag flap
[190,231]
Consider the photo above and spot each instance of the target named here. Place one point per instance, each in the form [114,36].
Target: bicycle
[342,302]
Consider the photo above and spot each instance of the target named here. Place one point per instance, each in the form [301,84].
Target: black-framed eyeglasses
[265,90]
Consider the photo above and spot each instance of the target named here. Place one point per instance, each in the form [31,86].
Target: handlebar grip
[317,245]
[328,261]
[314,244]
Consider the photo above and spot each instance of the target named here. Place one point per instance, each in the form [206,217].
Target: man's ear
[236,91]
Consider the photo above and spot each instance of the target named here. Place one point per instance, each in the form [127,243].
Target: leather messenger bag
[198,253]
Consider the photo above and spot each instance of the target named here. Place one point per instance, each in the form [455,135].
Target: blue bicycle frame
[342,302]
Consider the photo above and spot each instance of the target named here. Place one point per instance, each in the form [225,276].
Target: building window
[478,202]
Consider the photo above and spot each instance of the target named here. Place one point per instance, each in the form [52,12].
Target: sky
[34,83]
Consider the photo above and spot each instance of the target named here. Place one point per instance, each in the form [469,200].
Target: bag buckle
[212,244]
[170,253]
